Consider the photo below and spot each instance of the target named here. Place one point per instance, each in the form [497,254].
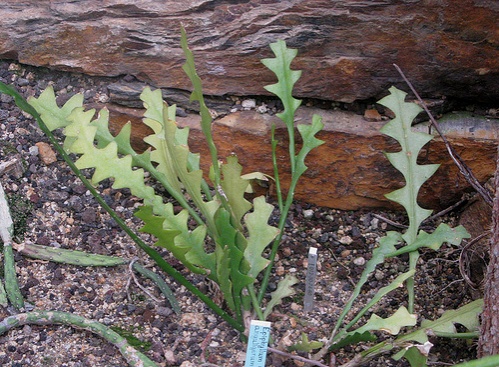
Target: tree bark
[489,339]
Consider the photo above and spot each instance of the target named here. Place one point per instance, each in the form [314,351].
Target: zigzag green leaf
[443,233]
[191,180]
[197,95]
[466,315]
[157,114]
[172,233]
[281,66]
[310,142]
[56,117]
[405,161]
[106,162]
[284,289]
[229,252]
[175,162]
[234,187]
[394,284]
[305,345]
[260,235]
[153,118]
[53,116]
[392,324]
[98,130]
[386,246]
[154,104]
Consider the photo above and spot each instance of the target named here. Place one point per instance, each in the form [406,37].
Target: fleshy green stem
[3,295]
[469,335]
[11,289]
[163,287]
[256,304]
[276,168]
[11,285]
[413,260]
[65,256]
[133,357]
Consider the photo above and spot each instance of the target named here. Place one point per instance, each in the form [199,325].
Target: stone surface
[346,48]
[350,170]
[47,154]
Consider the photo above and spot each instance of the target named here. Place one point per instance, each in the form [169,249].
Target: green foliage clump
[231,242]
[228,241]
[414,346]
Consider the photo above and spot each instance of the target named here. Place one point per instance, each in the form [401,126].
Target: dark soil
[57,210]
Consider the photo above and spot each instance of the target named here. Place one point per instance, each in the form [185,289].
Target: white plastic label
[308,301]
[256,353]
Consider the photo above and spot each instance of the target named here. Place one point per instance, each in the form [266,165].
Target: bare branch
[298,358]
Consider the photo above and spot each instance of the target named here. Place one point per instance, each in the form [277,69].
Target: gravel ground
[55,209]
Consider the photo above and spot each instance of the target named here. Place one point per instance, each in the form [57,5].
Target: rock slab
[346,48]
[349,171]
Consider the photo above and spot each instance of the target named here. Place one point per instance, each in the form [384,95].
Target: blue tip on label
[258,342]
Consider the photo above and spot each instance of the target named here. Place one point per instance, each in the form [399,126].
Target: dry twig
[295,357]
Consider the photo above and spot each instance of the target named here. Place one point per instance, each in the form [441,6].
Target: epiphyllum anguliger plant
[237,229]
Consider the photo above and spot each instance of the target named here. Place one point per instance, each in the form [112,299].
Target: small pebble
[345,253]
[33,150]
[170,357]
[379,275]
[359,261]
[102,97]
[106,321]
[372,115]
[346,240]
[248,103]
[193,318]
[163,311]
[89,215]
[22,82]
[262,108]
[47,155]
[356,232]
[308,213]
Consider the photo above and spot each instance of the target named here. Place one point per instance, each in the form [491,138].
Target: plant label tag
[308,302]
[256,353]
